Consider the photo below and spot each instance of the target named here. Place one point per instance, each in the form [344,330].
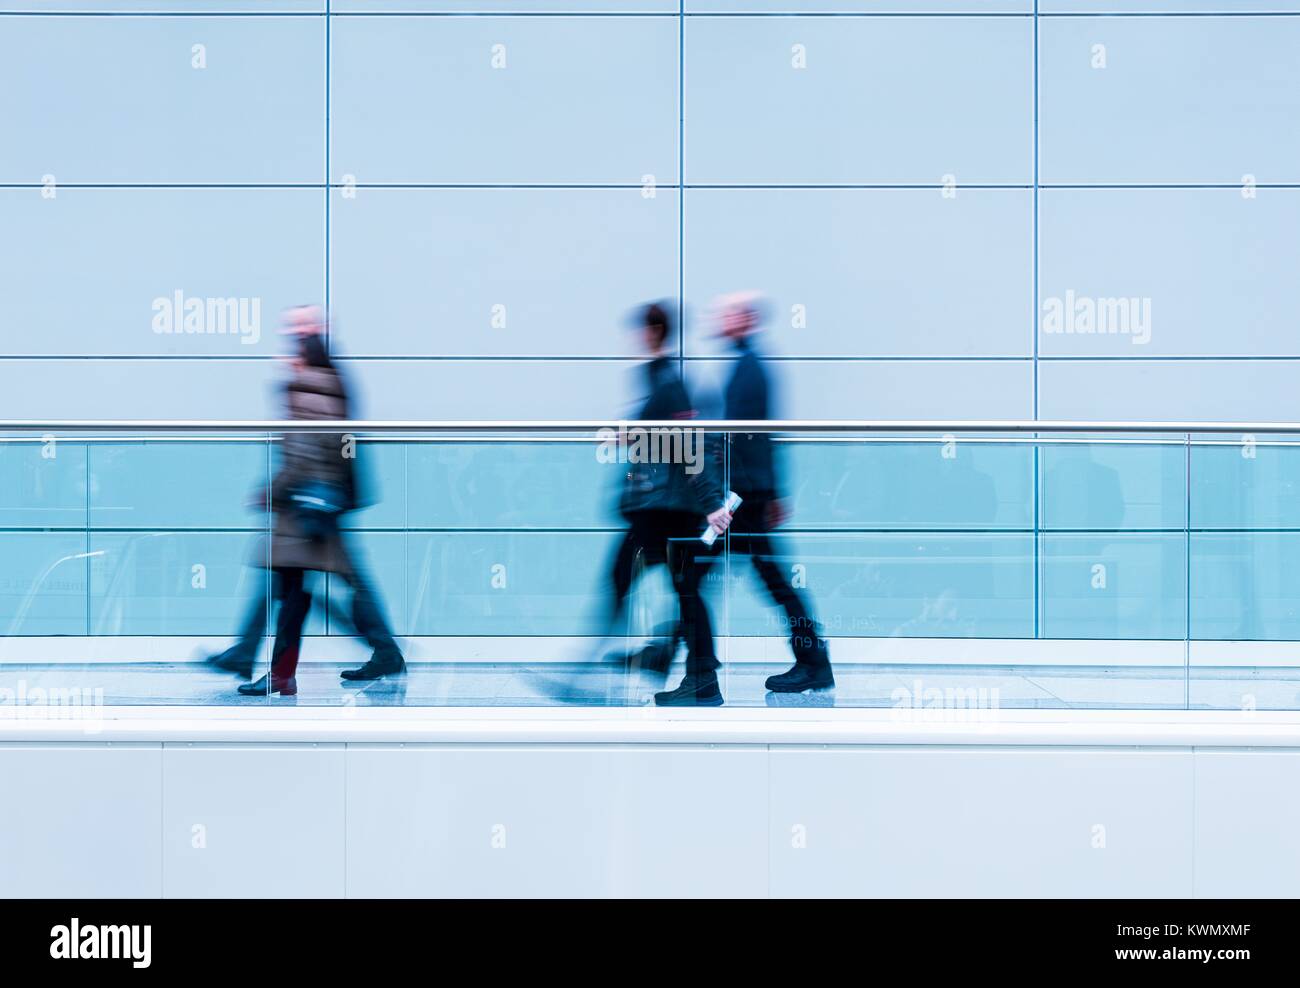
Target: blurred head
[304,320]
[655,328]
[740,314]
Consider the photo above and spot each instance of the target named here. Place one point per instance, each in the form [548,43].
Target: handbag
[317,506]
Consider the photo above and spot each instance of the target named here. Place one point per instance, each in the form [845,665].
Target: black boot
[270,684]
[802,676]
[236,659]
[696,690]
[656,656]
[378,667]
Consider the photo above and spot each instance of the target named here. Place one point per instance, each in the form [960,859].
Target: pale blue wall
[525,187]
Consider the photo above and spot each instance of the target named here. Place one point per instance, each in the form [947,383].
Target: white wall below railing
[285,802]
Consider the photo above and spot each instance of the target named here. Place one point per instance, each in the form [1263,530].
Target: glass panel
[1114,586]
[927,484]
[1244,580]
[42,586]
[493,561]
[1113,484]
[888,586]
[544,484]
[149,486]
[42,484]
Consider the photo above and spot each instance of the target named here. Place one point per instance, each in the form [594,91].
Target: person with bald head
[754,476]
[304,320]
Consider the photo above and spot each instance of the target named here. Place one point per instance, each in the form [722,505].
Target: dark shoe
[269,684]
[377,668]
[800,678]
[695,691]
[655,657]
[234,660]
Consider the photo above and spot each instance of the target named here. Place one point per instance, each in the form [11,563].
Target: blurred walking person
[668,502]
[315,484]
[755,477]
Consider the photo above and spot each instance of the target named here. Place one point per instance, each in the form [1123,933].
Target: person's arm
[295,466]
[708,483]
[287,477]
[707,480]
[760,400]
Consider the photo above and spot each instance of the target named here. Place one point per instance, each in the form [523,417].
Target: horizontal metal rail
[588,439]
[797,426]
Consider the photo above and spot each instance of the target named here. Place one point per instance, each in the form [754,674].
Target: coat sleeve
[708,481]
[289,475]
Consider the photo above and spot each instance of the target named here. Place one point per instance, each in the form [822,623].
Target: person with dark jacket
[753,475]
[241,657]
[314,485]
[668,502]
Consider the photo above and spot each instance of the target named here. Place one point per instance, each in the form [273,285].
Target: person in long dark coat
[321,466]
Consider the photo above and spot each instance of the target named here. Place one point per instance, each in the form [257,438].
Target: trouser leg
[368,618]
[754,539]
[689,561]
[295,602]
[621,572]
[250,635]
[251,631]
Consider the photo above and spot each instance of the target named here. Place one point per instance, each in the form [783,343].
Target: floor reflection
[554,684]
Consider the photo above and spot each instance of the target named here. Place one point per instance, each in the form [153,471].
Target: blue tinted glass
[1246,586]
[171,583]
[1246,482]
[892,586]
[468,485]
[42,584]
[1118,484]
[498,583]
[1119,585]
[925,485]
[178,484]
[42,484]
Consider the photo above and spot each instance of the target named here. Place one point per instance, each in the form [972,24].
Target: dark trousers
[364,606]
[751,535]
[244,651]
[673,539]
[294,599]
[290,587]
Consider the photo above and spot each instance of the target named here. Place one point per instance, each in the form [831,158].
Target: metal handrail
[382,426]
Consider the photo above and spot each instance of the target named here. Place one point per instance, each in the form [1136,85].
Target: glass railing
[1008,565]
